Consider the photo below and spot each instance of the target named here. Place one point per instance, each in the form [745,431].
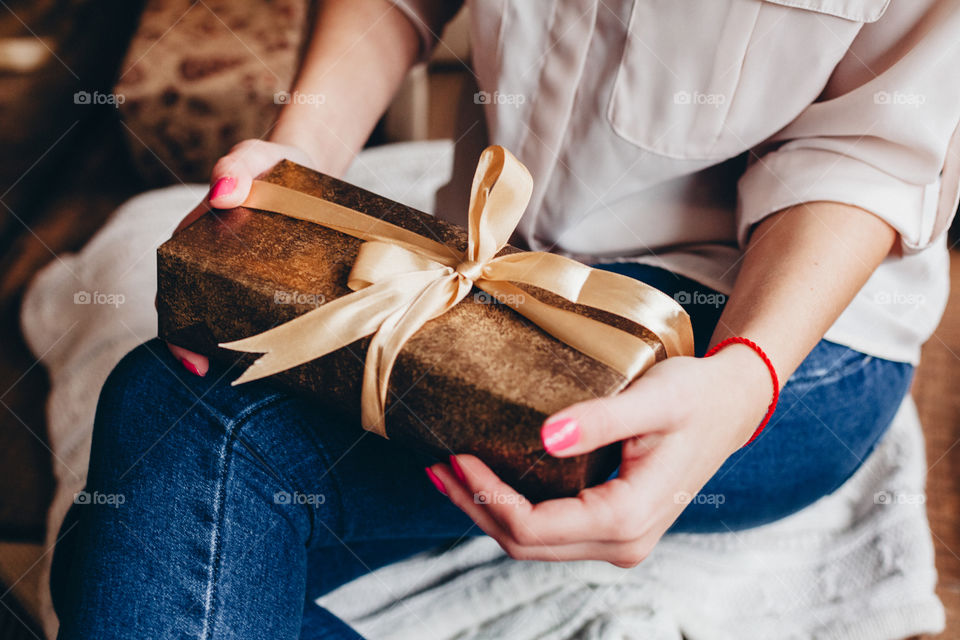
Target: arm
[801,268]
[359,53]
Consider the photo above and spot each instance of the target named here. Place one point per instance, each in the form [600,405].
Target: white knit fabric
[849,566]
[857,564]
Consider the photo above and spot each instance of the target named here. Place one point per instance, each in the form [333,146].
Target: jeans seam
[241,420]
[231,427]
[328,467]
[834,374]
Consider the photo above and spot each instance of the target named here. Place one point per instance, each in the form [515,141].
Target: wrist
[748,383]
[298,129]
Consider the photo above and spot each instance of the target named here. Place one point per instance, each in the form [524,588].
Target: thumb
[230,182]
[589,425]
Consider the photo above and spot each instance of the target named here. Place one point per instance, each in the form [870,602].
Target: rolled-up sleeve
[883,136]
[428,18]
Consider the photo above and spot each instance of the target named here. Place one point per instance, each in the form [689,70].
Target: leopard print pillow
[201,76]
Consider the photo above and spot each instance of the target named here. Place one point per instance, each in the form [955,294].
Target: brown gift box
[479,379]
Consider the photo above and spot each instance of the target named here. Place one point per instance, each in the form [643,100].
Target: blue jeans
[214,511]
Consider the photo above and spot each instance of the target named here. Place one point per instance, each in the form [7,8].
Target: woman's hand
[231,179]
[678,423]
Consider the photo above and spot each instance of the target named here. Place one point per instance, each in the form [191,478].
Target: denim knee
[141,402]
[150,396]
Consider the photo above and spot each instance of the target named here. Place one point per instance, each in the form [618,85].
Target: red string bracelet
[773,375]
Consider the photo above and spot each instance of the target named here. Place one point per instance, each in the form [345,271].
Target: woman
[775,166]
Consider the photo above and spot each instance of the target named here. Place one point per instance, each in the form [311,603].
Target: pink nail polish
[457,470]
[435,480]
[224,186]
[560,434]
[189,366]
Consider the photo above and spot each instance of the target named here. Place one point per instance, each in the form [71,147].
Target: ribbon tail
[436,299]
[327,328]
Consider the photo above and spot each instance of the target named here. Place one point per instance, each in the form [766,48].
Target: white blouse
[661,131]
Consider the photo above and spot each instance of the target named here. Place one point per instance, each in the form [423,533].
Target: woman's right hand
[230,184]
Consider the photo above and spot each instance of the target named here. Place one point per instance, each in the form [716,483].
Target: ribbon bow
[401,280]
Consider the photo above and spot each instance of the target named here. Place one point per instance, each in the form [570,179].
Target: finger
[621,554]
[231,180]
[461,496]
[233,174]
[671,475]
[610,512]
[589,425]
[193,362]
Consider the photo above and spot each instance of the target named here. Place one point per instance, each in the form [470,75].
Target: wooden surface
[936,392]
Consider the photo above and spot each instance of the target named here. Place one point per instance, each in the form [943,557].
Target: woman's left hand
[678,423]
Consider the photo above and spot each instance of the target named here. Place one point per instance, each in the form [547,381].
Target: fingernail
[222,187]
[189,366]
[457,470]
[435,480]
[560,434]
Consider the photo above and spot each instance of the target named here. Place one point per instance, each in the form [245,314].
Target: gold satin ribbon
[401,280]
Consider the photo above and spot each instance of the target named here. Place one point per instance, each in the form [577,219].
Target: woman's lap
[230,494]
[242,504]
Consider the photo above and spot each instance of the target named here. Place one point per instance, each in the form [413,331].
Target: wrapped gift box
[479,379]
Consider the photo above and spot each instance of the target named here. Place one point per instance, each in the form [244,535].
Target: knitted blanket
[857,564]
